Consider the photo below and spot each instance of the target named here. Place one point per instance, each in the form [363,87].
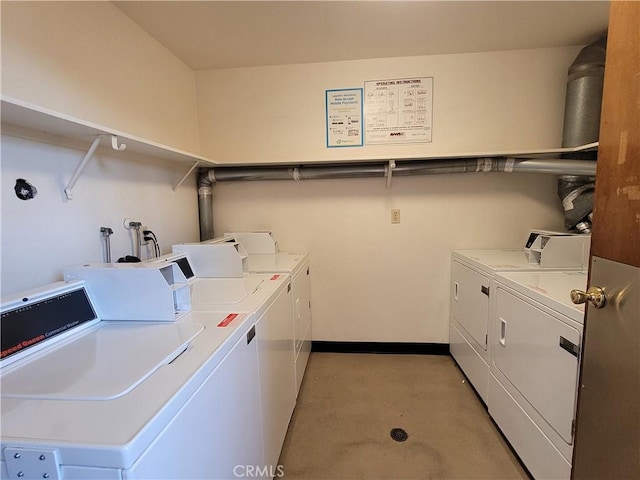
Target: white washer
[264,256]
[535,352]
[267,298]
[124,399]
[297,266]
[472,273]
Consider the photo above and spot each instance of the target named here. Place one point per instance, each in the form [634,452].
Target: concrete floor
[349,403]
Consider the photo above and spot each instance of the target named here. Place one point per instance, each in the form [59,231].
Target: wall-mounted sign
[398,111]
[344,118]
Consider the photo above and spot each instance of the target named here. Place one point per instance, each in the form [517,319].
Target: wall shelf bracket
[115,146]
[68,191]
[389,172]
[177,185]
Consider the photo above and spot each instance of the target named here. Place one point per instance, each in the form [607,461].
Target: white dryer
[535,355]
[86,398]
[472,273]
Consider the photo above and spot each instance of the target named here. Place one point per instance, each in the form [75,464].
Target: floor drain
[399,435]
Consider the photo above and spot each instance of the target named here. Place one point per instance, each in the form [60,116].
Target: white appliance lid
[288,262]
[502,260]
[208,294]
[507,259]
[224,290]
[103,364]
[549,288]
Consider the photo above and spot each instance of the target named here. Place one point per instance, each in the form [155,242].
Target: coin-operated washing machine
[535,349]
[472,273]
[84,397]
[264,256]
[267,297]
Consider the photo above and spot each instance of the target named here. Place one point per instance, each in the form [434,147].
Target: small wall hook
[114,144]
[389,172]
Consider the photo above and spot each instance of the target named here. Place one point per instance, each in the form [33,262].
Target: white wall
[374,281]
[47,233]
[90,61]
[482,102]
[371,280]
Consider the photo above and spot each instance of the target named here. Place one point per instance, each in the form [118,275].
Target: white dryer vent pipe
[208,177]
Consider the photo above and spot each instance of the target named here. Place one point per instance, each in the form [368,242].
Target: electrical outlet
[143,242]
[395,215]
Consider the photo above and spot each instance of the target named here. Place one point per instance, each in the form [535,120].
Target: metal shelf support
[68,191]
[177,185]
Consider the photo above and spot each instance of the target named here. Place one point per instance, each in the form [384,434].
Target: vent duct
[205,207]
[576,193]
[583,103]
[583,100]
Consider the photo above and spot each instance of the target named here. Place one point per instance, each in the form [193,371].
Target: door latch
[595,296]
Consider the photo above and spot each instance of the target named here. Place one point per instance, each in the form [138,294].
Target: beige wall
[43,235]
[482,102]
[90,61]
[374,281]
[371,280]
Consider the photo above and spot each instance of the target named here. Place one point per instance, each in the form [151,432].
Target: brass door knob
[595,295]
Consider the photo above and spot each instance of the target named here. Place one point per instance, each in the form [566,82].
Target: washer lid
[103,364]
[224,290]
[288,262]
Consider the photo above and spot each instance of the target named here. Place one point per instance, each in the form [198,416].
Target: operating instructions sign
[344,118]
[398,110]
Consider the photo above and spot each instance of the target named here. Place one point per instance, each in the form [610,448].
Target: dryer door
[470,301]
[537,352]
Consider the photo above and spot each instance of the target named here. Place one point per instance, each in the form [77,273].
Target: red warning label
[228,319]
[275,277]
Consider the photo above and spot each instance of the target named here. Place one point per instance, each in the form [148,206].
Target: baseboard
[381,347]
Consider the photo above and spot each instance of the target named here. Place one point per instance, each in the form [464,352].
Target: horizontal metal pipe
[364,170]
[263,173]
[557,167]
[339,171]
[418,167]
[432,167]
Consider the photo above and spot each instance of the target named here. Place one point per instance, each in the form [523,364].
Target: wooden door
[616,229]
[607,443]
